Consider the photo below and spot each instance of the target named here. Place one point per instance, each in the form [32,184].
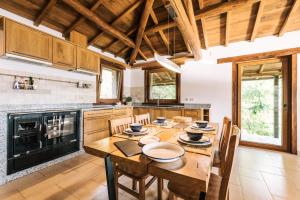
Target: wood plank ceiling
[136,29]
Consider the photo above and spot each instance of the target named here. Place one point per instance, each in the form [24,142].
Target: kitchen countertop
[185,106]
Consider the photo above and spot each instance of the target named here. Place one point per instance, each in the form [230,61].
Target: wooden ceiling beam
[258,56]
[183,23]
[203,25]
[161,33]
[261,69]
[76,5]
[142,54]
[288,18]
[141,29]
[149,44]
[209,11]
[227,28]
[81,19]
[44,12]
[191,15]
[257,20]
[130,9]
[114,42]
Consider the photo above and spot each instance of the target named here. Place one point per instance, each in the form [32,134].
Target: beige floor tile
[281,186]
[254,189]
[235,192]
[89,190]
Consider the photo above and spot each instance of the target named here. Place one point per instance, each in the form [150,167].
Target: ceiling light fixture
[163,61]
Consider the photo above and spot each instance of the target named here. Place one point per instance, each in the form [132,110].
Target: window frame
[161,101]
[98,86]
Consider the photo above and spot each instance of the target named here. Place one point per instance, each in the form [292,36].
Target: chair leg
[116,175]
[171,196]
[159,188]
[134,184]
[142,189]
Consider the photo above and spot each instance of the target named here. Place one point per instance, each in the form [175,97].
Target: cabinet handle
[75,140]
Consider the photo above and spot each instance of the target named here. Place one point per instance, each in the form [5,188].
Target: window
[110,85]
[162,84]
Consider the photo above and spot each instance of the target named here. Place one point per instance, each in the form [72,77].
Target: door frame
[291,127]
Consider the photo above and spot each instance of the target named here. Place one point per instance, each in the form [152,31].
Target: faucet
[158,99]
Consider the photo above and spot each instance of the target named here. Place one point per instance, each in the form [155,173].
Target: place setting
[202,126]
[164,123]
[151,147]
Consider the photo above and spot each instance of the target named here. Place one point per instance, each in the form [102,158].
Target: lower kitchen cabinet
[169,113]
[95,122]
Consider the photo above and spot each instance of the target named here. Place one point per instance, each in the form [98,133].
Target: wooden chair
[136,173]
[218,185]
[117,126]
[143,119]
[223,144]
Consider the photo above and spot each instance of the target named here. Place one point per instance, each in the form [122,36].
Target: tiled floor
[257,175]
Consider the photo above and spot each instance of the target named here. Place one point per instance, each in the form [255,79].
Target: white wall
[208,84]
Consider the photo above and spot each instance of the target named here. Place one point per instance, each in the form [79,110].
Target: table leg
[109,169]
[202,196]
[159,188]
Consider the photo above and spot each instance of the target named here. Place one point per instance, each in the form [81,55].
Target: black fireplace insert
[35,138]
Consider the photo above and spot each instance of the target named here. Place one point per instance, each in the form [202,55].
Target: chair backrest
[224,140]
[117,126]
[143,119]
[233,143]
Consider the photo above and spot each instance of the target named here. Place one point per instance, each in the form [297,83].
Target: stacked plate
[185,139]
[207,128]
[143,131]
[161,124]
[163,151]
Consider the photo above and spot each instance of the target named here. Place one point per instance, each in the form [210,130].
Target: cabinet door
[196,114]
[25,41]
[170,113]
[154,113]
[87,60]
[92,137]
[64,54]
[96,124]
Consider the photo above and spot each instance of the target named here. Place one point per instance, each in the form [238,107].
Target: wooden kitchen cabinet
[169,113]
[196,114]
[64,54]
[95,122]
[21,40]
[87,61]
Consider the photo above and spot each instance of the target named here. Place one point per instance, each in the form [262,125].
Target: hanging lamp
[165,62]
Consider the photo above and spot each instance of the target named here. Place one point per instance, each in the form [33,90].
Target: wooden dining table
[192,169]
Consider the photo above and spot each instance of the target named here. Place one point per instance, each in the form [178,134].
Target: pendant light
[165,62]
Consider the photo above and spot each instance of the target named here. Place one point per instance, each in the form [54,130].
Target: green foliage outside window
[257,109]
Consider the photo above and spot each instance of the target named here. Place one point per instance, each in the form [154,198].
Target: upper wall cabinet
[87,61]
[64,54]
[21,40]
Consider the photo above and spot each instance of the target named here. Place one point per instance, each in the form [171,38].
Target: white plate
[161,124]
[204,144]
[163,151]
[148,139]
[143,131]
[208,128]
[186,138]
